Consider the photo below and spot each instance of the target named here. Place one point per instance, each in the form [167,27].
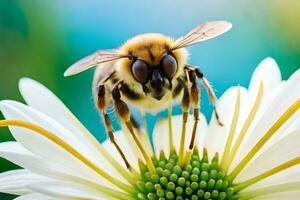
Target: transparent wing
[201,33]
[100,56]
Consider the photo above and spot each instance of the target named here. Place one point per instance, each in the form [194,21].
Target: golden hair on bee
[150,71]
[149,47]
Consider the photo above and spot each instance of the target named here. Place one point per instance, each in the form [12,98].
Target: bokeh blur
[40,39]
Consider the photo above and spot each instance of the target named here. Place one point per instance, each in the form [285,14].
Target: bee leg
[195,103]
[124,114]
[185,113]
[108,125]
[208,88]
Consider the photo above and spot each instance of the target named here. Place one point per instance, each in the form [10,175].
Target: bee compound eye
[140,71]
[169,66]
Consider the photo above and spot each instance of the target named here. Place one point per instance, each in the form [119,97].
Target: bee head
[152,64]
[155,79]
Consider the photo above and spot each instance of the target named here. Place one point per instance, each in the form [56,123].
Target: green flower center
[198,179]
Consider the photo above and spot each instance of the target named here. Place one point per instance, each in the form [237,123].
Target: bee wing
[100,56]
[201,33]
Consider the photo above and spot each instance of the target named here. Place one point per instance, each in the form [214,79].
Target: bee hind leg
[108,125]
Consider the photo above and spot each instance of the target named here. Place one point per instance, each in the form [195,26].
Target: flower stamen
[145,135]
[171,143]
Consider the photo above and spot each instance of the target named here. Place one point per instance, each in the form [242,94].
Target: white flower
[255,155]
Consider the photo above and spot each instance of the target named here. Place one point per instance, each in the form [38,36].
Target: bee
[149,71]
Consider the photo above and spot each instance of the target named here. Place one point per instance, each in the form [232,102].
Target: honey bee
[149,71]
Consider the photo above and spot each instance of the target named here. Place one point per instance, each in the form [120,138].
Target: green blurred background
[40,39]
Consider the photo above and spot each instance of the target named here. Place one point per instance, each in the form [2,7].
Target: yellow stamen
[232,129]
[284,117]
[147,158]
[171,144]
[269,190]
[50,136]
[145,136]
[187,157]
[275,170]
[182,139]
[245,126]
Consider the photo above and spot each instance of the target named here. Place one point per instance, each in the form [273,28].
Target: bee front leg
[124,114]
[108,125]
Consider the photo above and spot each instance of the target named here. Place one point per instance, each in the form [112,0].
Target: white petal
[128,147]
[285,149]
[49,104]
[288,93]
[14,182]
[217,137]
[291,195]
[17,154]
[23,112]
[46,149]
[65,190]
[34,196]
[268,72]
[161,133]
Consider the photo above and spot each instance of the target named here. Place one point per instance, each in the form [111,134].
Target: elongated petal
[268,72]
[43,147]
[50,105]
[283,150]
[33,196]
[127,147]
[17,154]
[216,139]
[14,182]
[293,195]
[65,190]
[23,112]
[274,108]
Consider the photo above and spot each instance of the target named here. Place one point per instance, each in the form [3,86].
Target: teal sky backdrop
[40,39]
